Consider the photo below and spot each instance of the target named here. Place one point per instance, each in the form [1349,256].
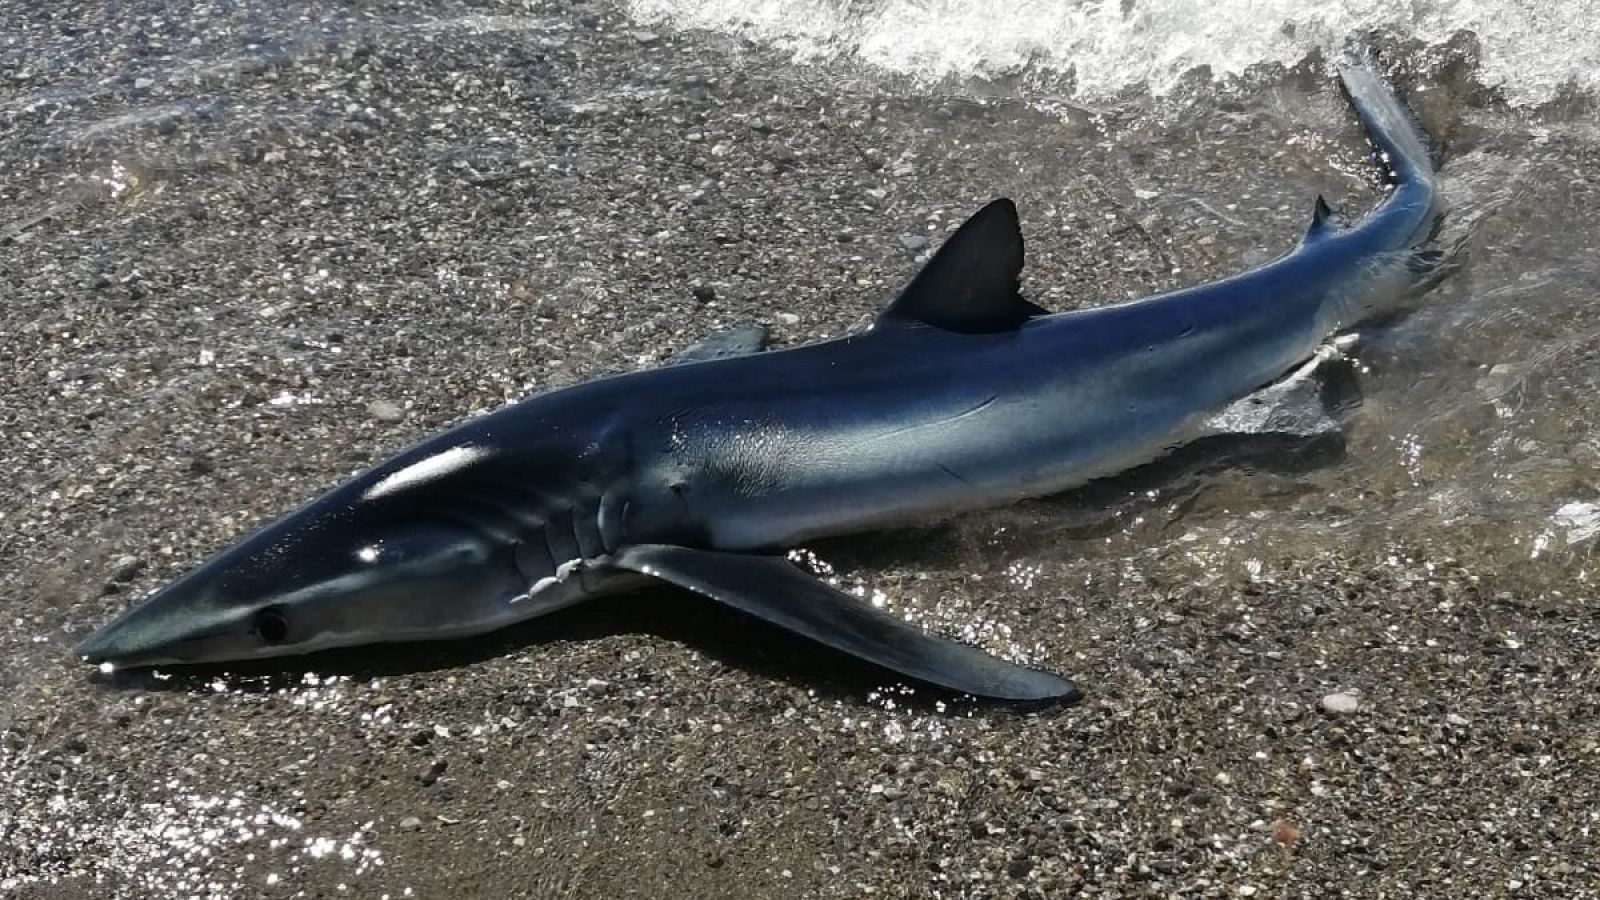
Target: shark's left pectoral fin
[730,342]
[775,591]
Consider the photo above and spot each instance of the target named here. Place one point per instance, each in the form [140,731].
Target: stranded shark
[701,475]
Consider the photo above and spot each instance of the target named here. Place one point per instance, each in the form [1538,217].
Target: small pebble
[1285,832]
[1341,703]
[384,411]
[432,772]
[126,568]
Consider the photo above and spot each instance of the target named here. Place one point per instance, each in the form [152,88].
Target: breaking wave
[1532,50]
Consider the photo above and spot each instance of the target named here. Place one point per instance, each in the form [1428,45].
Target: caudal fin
[1389,124]
[1415,208]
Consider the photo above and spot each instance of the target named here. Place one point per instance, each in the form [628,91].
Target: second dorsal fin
[971,284]
[1323,220]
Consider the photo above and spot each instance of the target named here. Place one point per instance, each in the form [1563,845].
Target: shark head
[352,567]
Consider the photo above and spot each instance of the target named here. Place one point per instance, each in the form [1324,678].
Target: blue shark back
[965,396]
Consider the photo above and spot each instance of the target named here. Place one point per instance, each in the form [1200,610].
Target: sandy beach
[250,250]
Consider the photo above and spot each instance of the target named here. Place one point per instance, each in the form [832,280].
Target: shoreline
[269,276]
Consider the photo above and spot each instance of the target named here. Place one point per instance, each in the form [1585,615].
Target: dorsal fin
[970,285]
[1323,220]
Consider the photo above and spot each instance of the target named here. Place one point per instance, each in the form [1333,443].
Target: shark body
[701,475]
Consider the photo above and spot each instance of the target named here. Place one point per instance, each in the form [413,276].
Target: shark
[705,473]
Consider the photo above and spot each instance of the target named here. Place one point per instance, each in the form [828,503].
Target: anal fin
[772,589]
[1292,405]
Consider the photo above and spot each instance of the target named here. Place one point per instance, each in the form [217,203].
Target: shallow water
[252,248]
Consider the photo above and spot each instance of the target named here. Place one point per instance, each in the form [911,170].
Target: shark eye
[271,626]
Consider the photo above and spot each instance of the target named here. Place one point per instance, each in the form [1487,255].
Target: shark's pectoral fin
[970,286]
[775,591]
[730,342]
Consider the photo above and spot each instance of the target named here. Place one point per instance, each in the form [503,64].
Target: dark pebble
[432,772]
[126,568]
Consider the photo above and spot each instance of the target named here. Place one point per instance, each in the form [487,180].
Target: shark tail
[1411,215]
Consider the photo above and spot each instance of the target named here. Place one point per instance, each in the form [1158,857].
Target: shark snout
[129,640]
[123,641]
[174,625]
[102,645]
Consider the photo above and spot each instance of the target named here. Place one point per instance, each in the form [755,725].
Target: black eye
[270,625]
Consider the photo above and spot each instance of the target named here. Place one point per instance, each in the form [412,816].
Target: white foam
[1529,48]
[1581,521]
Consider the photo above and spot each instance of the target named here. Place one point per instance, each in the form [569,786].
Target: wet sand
[249,253]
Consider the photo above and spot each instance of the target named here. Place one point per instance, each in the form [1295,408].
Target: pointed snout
[140,636]
[102,645]
[172,626]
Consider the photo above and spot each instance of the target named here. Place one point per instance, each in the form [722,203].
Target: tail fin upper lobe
[1412,213]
